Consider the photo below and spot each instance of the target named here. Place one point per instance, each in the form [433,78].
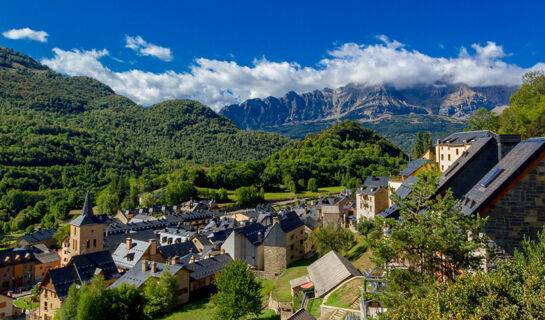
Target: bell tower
[86,232]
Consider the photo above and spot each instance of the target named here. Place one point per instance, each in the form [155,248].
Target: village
[492,175]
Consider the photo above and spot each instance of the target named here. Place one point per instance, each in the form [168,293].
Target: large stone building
[17,268]
[512,196]
[284,243]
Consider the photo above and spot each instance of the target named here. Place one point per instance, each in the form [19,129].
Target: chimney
[175,260]
[144,265]
[208,255]
[153,266]
[153,247]
[128,241]
[260,236]
[192,259]
[276,220]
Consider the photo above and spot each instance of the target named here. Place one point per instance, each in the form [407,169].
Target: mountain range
[367,104]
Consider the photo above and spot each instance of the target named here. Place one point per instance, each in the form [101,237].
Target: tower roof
[87,216]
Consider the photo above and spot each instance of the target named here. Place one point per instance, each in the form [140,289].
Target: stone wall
[519,213]
[275,260]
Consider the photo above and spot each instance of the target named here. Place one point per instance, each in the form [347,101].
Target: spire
[87,207]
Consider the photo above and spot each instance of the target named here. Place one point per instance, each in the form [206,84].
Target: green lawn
[346,294]
[284,195]
[313,307]
[25,303]
[281,290]
[204,310]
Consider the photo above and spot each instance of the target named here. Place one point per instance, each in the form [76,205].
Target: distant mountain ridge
[366,103]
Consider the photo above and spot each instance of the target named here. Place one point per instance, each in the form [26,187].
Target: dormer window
[492,177]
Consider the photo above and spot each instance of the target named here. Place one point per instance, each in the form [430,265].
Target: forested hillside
[60,136]
[344,154]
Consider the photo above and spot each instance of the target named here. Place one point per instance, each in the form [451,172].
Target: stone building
[246,244]
[80,270]
[132,251]
[203,274]
[512,196]
[86,233]
[336,211]
[45,260]
[284,243]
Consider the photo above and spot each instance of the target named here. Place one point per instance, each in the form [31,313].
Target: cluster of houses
[194,244]
[493,175]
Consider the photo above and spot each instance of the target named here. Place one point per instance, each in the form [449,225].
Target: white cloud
[148,49]
[26,33]
[219,83]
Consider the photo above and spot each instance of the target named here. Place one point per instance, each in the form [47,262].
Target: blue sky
[222,52]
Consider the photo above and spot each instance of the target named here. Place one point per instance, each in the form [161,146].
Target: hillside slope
[74,133]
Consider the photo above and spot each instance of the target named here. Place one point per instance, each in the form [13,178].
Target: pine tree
[427,142]
[419,145]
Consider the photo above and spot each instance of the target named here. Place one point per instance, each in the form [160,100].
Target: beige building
[448,150]
[372,197]
[7,309]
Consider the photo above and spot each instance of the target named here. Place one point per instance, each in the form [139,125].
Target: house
[202,243]
[452,147]
[372,197]
[284,243]
[46,259]
[245,243]
[336,211]
[80,270]
[415,167]
[512,196]
[473,163]
[329,271]
[112,241]
[402,192]
[129,253]
[203,273]
[17,268]
[144,270]
[7,309]
[43,236]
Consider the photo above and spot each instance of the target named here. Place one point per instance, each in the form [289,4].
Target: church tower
[86,232]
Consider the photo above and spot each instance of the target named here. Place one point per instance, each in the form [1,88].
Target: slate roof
[301,314]
[81,270]
[39,236]
[47,256]
[112,241]
[135,276]
[289,221]
[10,257]
[87,217]
[413,166]
[376,181]
[468,136]
[219,236]
[465,160]
[329,271]
[501,175]
[169,220]
[127,259]
[251,232]
[403,191]
[207,267]
[178,249]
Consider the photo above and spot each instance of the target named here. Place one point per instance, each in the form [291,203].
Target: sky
[224,52]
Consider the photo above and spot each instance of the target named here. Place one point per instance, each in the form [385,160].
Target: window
[449,157]
[291,247]
[492,177]
[442,157]
[88,244]
[457,151]
[94,243]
